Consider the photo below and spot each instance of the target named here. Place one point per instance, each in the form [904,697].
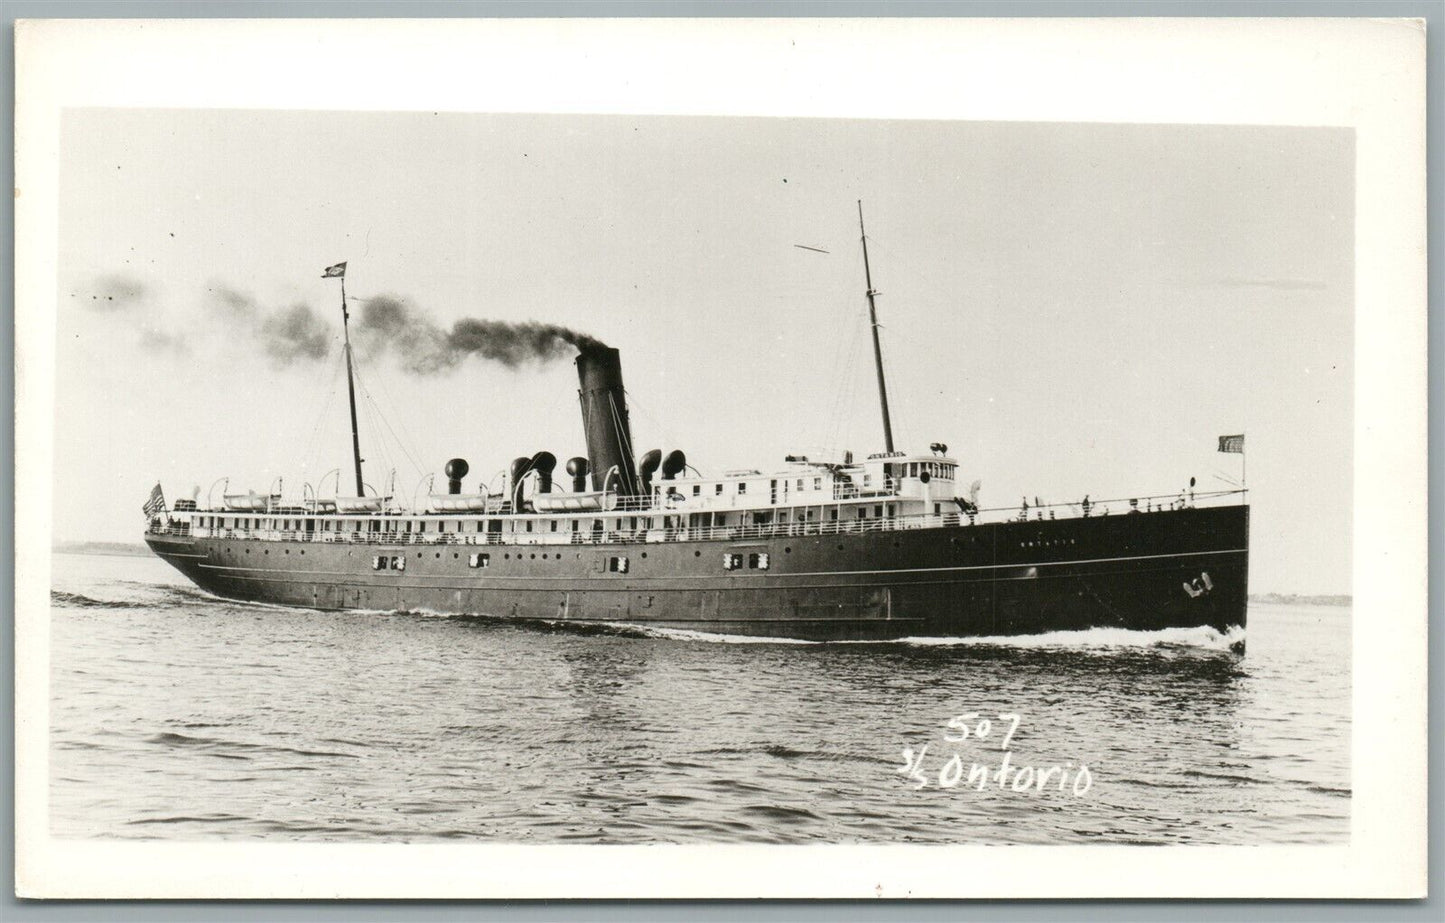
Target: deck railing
[1141,505]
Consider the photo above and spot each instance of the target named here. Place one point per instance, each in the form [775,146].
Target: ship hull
[1146,571]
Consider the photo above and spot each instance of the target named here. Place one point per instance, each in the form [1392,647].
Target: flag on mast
[156,503]
[335,272]
[1232,444]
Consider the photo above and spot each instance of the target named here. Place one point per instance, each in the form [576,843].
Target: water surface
[177,715]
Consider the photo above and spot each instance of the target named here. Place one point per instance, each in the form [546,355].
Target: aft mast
[339,272]
[877,350]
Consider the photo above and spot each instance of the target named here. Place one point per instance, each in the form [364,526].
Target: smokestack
[604,420]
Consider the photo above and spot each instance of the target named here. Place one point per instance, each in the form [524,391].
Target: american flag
[1232,444]
[335,272]
[156,503]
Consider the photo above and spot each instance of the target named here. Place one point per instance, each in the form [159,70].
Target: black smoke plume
[287,335]
[387,323]
[295,333]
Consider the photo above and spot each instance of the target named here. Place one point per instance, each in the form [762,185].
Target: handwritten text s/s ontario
[1004,774]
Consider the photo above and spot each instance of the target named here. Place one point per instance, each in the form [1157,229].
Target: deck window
[697,490]
[719,489]
[732,561]
[617,565]
[742,487]
[479,560]
[758,560]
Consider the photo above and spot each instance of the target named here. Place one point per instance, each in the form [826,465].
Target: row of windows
[497,526]
[932,469]
[741,487]
[403,526]
[616,564]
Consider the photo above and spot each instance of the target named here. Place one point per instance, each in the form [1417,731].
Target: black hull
[1147,571]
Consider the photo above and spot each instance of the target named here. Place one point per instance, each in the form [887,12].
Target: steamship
[881,547]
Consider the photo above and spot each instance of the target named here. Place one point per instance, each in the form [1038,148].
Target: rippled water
[177,715]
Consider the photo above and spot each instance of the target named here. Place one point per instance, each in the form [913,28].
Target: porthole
[697,554]
[840,547]
[788,550]
[455,555]
[506,557]
[533,557]
[439,555]
[644,554]
[418,554]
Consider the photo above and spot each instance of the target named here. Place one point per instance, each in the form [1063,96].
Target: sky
[1073,308]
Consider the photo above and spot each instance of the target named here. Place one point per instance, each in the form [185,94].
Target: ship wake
[1101,640]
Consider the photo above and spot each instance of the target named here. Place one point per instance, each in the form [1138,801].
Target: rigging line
[634,404]
[850,372]
[844,349]
[847,391]
[375,421]
[835,379]
[901,431]
[313,440]
[409,442]
[622,443]
[378,443]
[322,392]
[386,423]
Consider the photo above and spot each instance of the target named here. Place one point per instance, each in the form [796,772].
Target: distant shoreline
[128,549]
[1302,599]
[141,551]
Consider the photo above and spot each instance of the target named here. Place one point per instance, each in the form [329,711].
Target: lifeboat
[251,502]
[361,504]
[459,503]
[588,501]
